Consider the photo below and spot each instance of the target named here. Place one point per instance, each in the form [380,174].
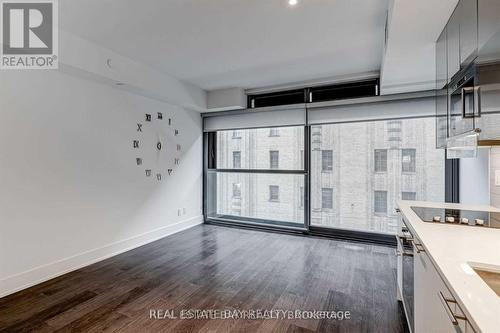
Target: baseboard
[44,273]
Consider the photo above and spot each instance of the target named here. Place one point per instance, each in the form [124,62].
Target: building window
[409,196]
[236,190]
[408,160]
[327,160]
[274,132]
[327,198]
[237,159]
[380,202]
[301,197]
[380,160]
[236,134]
[274,193]
[274,159]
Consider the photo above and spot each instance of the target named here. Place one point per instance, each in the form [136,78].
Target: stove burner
[458,217]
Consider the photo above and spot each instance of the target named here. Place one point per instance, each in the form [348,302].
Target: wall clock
[157,147]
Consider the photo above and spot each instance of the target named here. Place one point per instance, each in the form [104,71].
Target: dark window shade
[345,91]
[366,88]
[277,98]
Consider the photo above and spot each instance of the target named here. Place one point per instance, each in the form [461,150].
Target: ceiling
[232,43]
[409,59]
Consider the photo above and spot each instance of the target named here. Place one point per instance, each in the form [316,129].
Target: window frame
[274,132]
[310,145]
[330,165]
[413,162]
[375,160]
[413,194]
[386,210]
[276,155]
[277,197]
[323,191]
[238,195]
[237,153]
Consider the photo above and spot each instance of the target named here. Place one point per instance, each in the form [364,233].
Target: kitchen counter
[451,248]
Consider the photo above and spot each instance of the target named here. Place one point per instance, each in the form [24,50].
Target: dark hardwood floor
[211,267]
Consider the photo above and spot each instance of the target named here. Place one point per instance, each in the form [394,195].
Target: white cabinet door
[468,31]
[430,313]
[453,45]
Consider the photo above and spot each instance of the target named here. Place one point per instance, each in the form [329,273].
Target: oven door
[405,252]
[463,102]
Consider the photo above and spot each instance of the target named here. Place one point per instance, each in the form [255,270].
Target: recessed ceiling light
[293,2]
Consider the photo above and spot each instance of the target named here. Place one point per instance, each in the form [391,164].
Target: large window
[358,171]
[269,187]
[327,160]
[274,193]
[380,202]
[274,159]
[409,196]
[380,160]
[326,198]
[376,164]
[408,160]
[237,159]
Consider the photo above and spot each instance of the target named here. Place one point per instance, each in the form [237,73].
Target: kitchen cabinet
[467,75]
[441,91]
[467,12]
[453,44]
[435,307]
[488,21]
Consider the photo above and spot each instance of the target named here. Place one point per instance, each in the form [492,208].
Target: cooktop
[458,217]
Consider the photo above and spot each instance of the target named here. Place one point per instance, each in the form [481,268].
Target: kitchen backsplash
[495,169]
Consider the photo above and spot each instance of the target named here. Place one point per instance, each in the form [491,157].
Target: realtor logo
[29,34]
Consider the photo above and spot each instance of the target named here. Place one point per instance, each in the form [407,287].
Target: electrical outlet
[179,212]
[497,177]
[183,211]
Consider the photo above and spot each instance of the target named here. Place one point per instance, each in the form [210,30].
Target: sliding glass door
[258,177]
[360,169]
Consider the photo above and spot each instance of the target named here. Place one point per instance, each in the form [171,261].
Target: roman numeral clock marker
[156,146]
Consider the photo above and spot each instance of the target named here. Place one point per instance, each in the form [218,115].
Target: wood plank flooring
[218,268]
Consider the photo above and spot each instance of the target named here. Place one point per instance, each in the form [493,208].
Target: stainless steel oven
[406,273]
[463,101]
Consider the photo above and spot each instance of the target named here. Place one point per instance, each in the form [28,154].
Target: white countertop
[452,248]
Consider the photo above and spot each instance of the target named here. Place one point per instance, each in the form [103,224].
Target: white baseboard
[44,273]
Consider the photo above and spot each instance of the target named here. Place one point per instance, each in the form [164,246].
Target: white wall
[494,167]
[475,178]
[70,191]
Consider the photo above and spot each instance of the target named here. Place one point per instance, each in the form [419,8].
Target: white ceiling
[233,43]
[409,61]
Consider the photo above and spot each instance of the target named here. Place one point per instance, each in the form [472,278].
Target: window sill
[277,201]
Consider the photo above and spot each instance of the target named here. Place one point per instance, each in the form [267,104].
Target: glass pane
[374,165]
[257,197]
[264,148]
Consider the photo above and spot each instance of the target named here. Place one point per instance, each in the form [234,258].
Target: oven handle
[403,252]
[418,247]
[467,90]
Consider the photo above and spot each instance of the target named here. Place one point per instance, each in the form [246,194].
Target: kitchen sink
[490,275]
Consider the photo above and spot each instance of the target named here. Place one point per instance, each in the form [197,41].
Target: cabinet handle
[418,247]
[477,101]
[467,90]
[453,317]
